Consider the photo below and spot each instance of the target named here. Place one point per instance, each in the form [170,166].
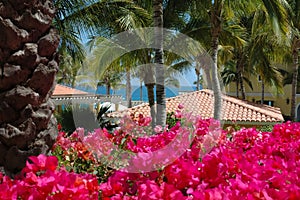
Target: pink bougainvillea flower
[158,129]
[247,165]
[180,106]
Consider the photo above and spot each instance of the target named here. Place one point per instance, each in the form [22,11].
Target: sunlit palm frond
[278,13]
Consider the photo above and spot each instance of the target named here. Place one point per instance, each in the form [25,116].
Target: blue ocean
[140,93]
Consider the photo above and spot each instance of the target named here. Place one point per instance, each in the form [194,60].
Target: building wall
[283,100]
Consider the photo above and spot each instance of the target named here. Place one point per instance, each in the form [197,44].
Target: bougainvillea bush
[41,179]
[247,164]
[244,165]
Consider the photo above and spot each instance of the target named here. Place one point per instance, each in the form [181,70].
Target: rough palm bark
[237,86]
[149,83]
[262,92]
[158,59]
[243,91]
[295,54]
[128,88]
[197,71]
[141,90]
[207,75]
[29,63]
[216,18]
[240,74]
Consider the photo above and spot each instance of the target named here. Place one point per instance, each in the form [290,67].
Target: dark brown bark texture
[28,61]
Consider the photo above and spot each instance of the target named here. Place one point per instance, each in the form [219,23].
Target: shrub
[73,154]
[76,116]
[204,163]
[266,128]
[41,179]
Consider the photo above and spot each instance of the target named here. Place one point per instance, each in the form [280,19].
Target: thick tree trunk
[197,71]
[29,63]
[243,92]
[262,92]
[150,91]
[141,91]
[150,83]
[237,88]
[108,87]
[294,83]
[128,88]
[207,74]
[215,31]
[240,70]
[158,59]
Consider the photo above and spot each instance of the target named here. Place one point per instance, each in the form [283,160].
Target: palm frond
[278,13]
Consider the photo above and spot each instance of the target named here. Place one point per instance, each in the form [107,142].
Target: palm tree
[261,58]
[30,75]
[164,16]
[78,19]
[109,80]
[295,21]
[276,11]
[295,53]
[266,48]
[199,77]
[160,88]
[220,11]
[230,74]
[216,20]
[214,31]
[28,67]
[128,87]
[69,68]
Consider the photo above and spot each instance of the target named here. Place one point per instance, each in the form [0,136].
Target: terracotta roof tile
[61,90]
[201,103]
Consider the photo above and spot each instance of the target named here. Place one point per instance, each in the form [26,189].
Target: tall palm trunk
[150,93]
[239,70]
[237,87]
[108,87]
[262,92]
[197,71]
[242,86]
[158,59]
[28,60]
[149,83]
[128,88]
[141,90]
[215,31]
[207,74]
[294,81]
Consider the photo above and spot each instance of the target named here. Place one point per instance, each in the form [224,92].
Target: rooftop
[61,90]
[66,95]
[201,103]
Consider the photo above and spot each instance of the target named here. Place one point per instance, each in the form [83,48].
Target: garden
[199,160]
[76,43]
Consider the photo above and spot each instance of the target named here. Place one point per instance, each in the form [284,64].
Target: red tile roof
[61,90]
[201,103]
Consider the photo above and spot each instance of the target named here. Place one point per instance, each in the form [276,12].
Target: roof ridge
[254,106]
[265,112]
[71,90]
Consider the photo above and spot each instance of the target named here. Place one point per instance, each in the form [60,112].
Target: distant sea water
[136,92]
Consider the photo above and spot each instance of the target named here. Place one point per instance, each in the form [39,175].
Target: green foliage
[237,127]
[105,122]
[266,128]
[80,160]
[75,116]
[172,119]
